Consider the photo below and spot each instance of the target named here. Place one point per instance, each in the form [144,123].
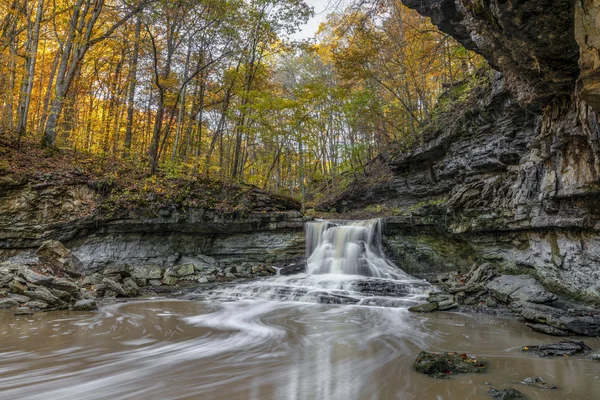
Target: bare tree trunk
[33,35]
[132,87]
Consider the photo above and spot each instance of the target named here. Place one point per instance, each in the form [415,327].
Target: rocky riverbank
[54,278]
[485,290]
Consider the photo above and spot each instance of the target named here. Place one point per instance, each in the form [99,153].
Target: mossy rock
[444,365]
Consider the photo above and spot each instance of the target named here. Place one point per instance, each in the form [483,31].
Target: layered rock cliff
[513,177]
[33,210]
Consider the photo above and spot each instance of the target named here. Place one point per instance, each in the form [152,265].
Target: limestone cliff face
[31,213]
[516,178]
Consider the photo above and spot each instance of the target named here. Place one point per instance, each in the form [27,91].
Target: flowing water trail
[339,331]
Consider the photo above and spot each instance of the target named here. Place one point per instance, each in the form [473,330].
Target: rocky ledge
[485,290]
[54,278]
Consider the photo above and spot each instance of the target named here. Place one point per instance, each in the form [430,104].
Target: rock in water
[85,305]
[506,394]
[443,365]
[562,348]
[538,382]
[424,308]
[547,329]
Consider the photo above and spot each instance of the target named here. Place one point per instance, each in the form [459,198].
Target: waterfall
[348,248]
[345,265]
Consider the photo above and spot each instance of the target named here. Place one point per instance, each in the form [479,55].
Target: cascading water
[348,248]
[345,265]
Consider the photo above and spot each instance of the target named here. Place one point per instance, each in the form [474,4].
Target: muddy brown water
[167,349]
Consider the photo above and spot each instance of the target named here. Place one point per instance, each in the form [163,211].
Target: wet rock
[579,322]
[155,282]
[595,356]
[19,297]
[8,303]
[506,394]
[525,288]
[447,305]
[36,305]
[538,382]
[547,329]
[560,349]
[43,294]
[443,365]
[22,311]
[293,268]
[85,305]
[424,308]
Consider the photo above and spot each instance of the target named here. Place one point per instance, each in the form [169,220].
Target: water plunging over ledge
[345,265]
[300,337]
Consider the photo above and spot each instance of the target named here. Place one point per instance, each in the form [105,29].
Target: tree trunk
[132,88]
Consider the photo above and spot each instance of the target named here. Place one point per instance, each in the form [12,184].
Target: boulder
[526,288]
[560,349]
[538,382]
[547,329]
[43,294]
[18,286]
[130,288]
[36,305]
[152,272]
[183,270]
[85,305]
[54,253]
[5,278]
[443,365]
[118,271]
[8,303]
[424,308]
[506,394]
[19,297]
[35,278]
[61,294]
[65,286]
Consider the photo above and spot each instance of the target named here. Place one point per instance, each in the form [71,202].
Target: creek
[340,330]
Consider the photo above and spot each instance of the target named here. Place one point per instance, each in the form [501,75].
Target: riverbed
[173,349]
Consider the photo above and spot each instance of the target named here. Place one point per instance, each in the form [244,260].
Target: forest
[222,88]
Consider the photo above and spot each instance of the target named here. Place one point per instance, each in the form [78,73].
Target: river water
[326,334]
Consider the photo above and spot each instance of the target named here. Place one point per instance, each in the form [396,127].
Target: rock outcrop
[33,212]
[512,176]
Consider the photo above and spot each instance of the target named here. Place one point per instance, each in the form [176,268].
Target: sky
[322,8]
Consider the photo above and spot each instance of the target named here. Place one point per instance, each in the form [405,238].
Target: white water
[348,248]
[345,265]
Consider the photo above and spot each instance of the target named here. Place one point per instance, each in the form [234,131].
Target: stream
[341,330]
